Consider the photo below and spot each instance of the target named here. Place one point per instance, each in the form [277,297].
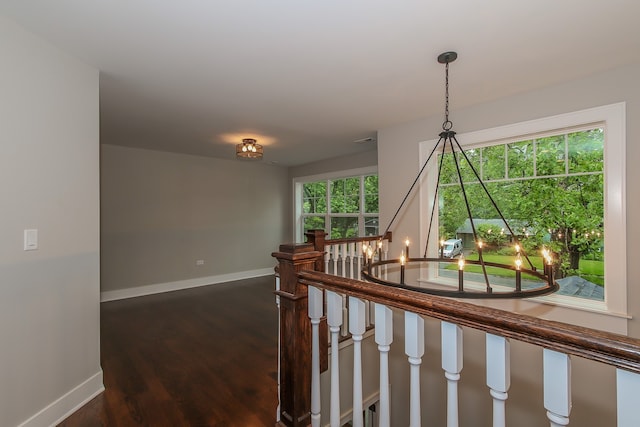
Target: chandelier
[522,278]
[249,149]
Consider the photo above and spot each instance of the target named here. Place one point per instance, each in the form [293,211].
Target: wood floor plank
[198,357]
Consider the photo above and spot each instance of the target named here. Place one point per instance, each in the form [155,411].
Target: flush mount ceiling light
[249,149]
[522,279]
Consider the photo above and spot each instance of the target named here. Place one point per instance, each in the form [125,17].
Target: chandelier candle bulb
[402,263]
[518,273]
[461,273]
[406,242]
[549,266]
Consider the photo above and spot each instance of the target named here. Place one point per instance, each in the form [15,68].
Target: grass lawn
[590,270]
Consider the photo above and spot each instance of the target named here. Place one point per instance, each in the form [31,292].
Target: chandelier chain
[447,125]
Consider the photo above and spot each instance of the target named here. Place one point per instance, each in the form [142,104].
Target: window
[559,182]
[344,205]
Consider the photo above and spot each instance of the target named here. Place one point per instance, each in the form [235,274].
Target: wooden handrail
[317,239]
[387,236]
[604,347]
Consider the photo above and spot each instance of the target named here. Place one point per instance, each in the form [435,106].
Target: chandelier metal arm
[466,202]
[415,181]
[435,197]
[493,202]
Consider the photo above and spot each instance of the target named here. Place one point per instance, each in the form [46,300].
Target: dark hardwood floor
[198,357]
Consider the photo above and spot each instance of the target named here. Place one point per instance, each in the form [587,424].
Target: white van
[452,247]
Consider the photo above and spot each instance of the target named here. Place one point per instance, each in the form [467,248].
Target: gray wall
[593,387]
[49,298]
[354,161]
[163,211]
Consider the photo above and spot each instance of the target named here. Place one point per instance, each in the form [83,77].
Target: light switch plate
[31,239]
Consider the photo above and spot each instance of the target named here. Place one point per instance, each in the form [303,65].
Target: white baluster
[385,248]
[357,328]
[334,320]
[343,249]
[452,365]
[414,349]
[372,315]
[345,317]
[367,313]
[327,256]
[279,328]
[628,390]
[557,387]
[352,256]
[384,338]
[498,375]
[315,313]
[360,260]
[336,255]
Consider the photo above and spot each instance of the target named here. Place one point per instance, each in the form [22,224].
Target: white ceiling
[308,78]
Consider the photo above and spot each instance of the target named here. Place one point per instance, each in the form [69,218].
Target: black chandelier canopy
[538,282]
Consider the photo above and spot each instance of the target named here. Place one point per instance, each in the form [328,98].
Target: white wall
[49,298]
[397,166]
[161,212]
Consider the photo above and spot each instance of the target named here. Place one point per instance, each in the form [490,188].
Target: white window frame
[298,182]
[610,314]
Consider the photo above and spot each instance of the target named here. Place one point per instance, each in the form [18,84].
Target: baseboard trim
[67,404]
[181,284]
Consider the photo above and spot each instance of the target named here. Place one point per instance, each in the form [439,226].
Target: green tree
[571,210]
[493,161]
[314,198]
[371,194]
[491,235]
[345,195]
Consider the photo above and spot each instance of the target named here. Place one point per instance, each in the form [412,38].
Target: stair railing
[559,341]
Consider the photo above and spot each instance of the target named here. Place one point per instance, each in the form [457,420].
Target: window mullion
[506,160]
[566,154]
[327,215]
[361,210]
[535,157]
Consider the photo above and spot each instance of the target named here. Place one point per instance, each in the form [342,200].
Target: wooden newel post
[295,334]
[317,239]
